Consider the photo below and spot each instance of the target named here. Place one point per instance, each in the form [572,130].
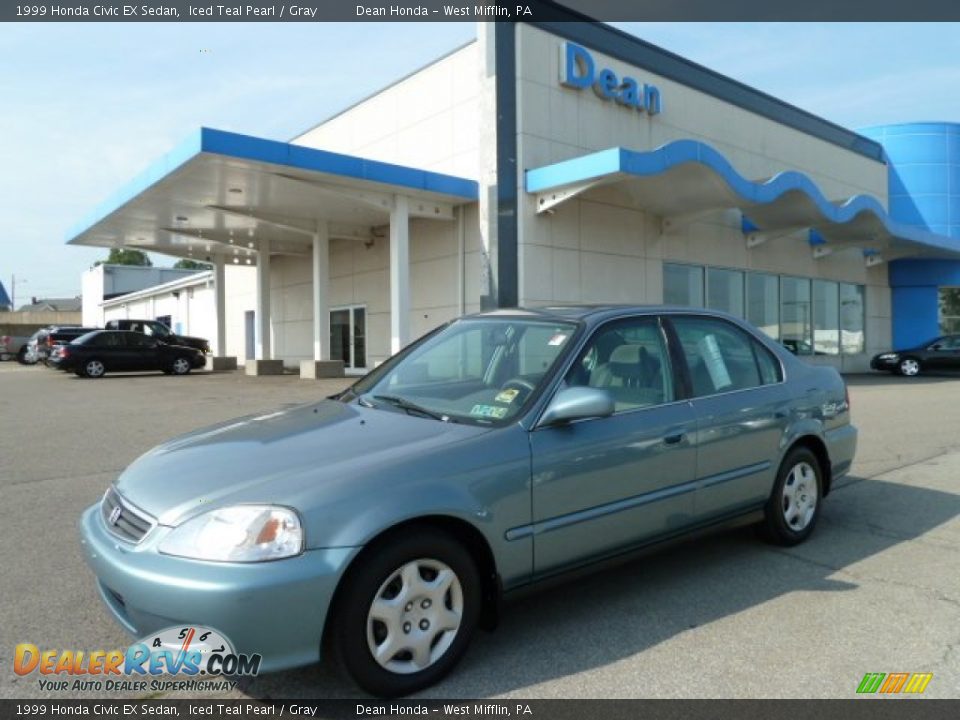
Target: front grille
[122,519]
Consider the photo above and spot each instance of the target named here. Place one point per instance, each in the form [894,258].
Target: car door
[111,349]
[742,410]
[943,354]
[142,352]
[603,484]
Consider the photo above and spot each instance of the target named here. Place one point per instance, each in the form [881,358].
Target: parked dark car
[387,523]
[941,353]
[156,329]
[47,340]
[96,353]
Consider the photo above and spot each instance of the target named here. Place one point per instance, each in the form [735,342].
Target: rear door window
[723,358]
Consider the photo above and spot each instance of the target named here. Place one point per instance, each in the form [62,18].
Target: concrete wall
[106,281]
[360,275]
[600,248]
[429,120]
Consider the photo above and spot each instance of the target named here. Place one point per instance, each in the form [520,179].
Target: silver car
[387,523]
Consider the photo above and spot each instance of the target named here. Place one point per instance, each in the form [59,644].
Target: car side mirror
[578,403]
[937,346]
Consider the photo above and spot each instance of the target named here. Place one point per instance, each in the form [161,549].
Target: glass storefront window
[808,316]
[725,291]
[795,315]
[682,285]
[826,318]
[763,303]
[851,319]
[949,311]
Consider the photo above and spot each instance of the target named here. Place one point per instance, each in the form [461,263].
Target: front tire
[794,505]
[180,366]
[909,367]
[406,612]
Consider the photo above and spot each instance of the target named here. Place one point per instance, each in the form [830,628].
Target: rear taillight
[63,352]
[50,342]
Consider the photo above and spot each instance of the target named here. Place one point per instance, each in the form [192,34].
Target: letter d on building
[576,66]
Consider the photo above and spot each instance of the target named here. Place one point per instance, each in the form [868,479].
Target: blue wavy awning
[686,176]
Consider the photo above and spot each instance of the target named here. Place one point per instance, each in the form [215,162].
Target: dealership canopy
[682,180]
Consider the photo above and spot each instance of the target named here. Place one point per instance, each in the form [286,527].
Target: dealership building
[547,163]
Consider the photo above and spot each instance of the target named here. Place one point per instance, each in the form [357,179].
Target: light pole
[13,291]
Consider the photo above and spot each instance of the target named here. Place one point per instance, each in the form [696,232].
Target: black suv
[156,329]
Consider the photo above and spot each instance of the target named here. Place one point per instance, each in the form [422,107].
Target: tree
[126,256]
[187,264]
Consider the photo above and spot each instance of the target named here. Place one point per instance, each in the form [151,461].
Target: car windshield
[479,370]
[156,329]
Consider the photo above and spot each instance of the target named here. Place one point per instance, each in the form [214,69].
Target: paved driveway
[875,590]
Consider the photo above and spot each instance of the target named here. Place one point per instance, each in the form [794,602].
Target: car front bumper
[277,609]
[886,364]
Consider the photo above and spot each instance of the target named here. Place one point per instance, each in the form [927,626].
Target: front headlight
[887,356]
[241,533]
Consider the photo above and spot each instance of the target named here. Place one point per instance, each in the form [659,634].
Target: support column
[399,274]
[321,279]
[220,361]
[263,364]
[321,366]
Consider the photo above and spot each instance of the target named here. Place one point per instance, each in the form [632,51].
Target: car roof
[598,312]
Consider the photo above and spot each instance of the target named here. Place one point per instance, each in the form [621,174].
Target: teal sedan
[382,526]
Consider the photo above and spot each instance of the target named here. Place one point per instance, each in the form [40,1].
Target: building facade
[549,163]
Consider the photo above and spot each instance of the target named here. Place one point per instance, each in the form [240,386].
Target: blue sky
[86,106]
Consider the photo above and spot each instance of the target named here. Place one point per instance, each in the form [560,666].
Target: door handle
[674,439]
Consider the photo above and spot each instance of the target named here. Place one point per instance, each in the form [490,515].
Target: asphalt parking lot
[877,588]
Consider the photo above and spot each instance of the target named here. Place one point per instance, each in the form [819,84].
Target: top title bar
[460,10]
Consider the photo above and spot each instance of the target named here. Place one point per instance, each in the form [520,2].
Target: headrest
[628,361]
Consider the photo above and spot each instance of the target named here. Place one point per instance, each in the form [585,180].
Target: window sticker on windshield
[710,352]
[507,396]
[488,411]
[557,339]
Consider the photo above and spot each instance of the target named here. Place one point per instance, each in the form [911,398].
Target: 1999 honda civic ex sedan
[386,523]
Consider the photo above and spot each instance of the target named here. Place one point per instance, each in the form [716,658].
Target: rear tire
[414,600]
[93,368]
[794,505]
[22,356]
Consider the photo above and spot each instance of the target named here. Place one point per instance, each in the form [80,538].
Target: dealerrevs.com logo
[189,652]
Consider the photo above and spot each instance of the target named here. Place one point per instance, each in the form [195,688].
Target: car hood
[186,341]
[285,457]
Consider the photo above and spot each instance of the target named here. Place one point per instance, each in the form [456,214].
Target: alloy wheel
[181,366]
[94,368]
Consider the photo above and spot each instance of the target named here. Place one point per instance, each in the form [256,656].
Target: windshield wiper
[411,407]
